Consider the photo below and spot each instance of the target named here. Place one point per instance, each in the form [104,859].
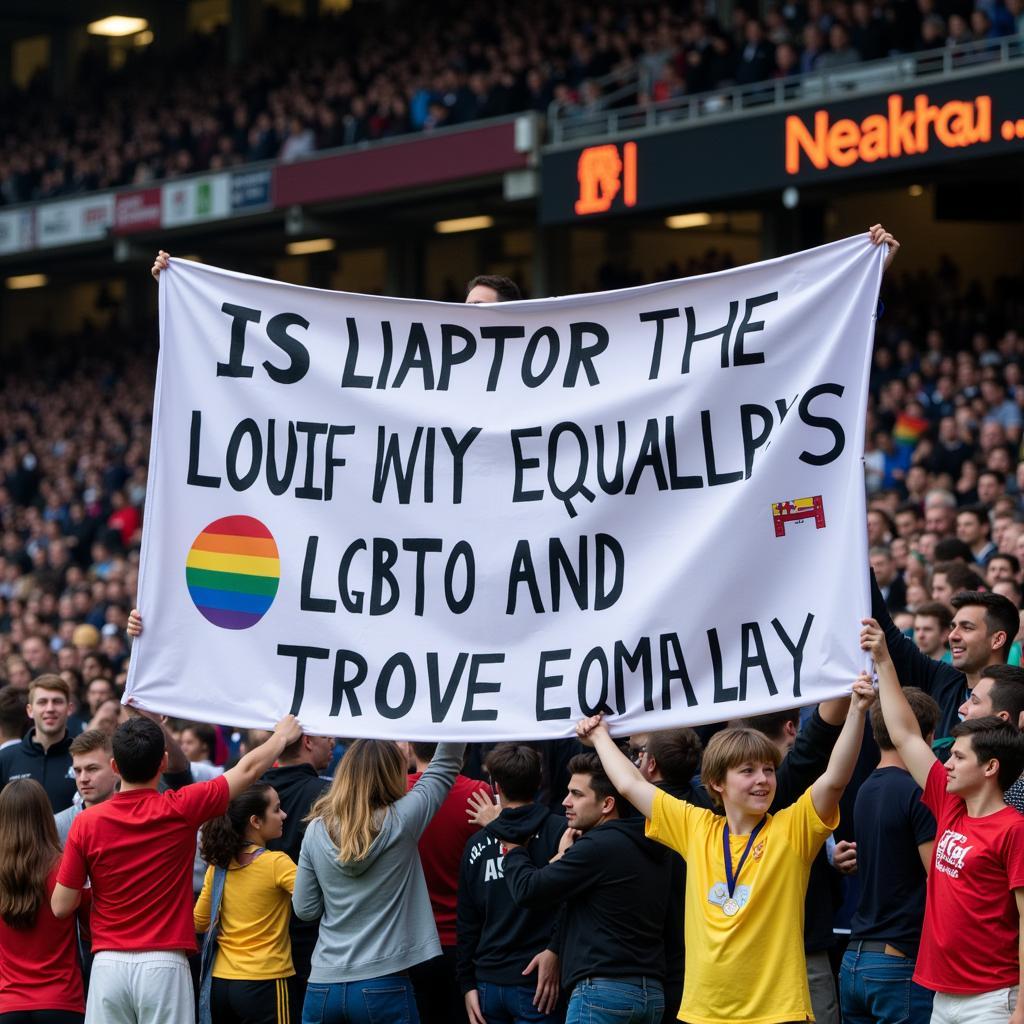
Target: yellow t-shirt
[750,968]
[253,940]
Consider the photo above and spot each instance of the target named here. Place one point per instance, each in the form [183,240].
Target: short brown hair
[516,768]
[90,740]
[994,739]
[729,749]
[676,752]
[935,610]
[49,681]
[13,720]
[1007,693]
[925,709]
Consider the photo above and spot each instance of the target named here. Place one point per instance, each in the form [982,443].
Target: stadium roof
[30,17]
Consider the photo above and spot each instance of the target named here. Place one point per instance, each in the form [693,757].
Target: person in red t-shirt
[438,995]
[137,850]
[969,952]
[40,974]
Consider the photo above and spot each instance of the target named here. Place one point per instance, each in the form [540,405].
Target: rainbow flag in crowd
[908,429]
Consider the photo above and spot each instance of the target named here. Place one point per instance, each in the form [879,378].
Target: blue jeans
[387,1000]
[877,989]
[511,1004]
[608,1001]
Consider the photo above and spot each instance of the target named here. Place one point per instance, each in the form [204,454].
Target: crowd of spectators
[307,87]
[945,488]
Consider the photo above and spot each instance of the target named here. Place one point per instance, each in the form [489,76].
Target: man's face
[49,711]
[638,754]
[885,570]
[99,690]
[876,528]
[938,520]
[998,569]
[988,489]
[964,774]
[929,636]
[979,700]
[321,748]
[94,776]
[970,642]
[481,293]
[968,529]
[906,523]
[18,674]
[941,590]
[583,809]
[36,653]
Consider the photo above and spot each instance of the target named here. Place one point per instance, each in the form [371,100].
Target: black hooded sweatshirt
[497,939]
[613,882]
[299,787]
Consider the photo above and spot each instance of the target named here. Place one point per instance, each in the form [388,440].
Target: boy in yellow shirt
[746,872]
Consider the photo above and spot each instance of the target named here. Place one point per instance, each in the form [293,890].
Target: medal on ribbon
[731,906]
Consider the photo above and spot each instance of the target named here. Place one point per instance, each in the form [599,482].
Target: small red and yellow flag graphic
[797,509]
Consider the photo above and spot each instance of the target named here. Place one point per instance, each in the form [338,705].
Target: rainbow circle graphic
[232,571]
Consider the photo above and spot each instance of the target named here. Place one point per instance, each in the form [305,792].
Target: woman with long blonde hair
[359,872]
[40,974]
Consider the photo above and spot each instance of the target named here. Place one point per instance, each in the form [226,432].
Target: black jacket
[497,939]
[948,685]
[299,787]
[50,768]
[613,882]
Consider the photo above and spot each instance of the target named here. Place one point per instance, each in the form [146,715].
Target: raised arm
[808,758]
[624,775]
[828,789]
[420,804]
[256,762]
[900,722]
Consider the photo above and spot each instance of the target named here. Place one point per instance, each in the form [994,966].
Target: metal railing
[610,116]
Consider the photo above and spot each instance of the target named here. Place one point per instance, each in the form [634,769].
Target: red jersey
[39,968]
[441,847]
[137,848]
[971,924]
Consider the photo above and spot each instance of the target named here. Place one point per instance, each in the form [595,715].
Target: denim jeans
[608,1001]
[875,988]
[511,1004]
[387,1000]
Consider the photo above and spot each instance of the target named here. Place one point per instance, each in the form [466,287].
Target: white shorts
[985,1008]
[132,988]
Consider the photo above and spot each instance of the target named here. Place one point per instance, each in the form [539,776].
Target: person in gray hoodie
[359,872]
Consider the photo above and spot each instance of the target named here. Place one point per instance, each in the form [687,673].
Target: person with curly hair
[244,909]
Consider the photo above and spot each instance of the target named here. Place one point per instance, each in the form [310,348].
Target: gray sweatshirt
[375,915]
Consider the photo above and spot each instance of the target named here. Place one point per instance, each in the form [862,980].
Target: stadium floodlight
[688,220]
[117,25]
[453,227]
[23,281]
[310,246]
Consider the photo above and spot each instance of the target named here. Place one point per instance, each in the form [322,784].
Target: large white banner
[413,519]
